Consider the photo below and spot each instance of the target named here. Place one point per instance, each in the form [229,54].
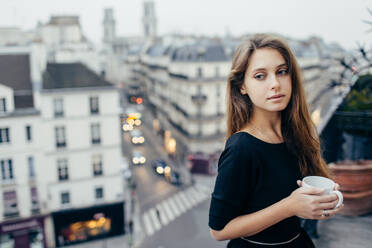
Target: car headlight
[141,139]
[135,140]
[135,160]
[142,160]
[160,170]
[137,122]
[167,170]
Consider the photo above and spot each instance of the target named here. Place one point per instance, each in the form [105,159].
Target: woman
[272,143]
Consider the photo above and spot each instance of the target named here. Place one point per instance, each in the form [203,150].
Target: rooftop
[71,75]
[15,73]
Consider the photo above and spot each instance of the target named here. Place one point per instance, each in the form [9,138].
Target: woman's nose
[274,82]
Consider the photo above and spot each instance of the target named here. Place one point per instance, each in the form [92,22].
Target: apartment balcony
[11,213]
[217,135]
[8,182]
[35,210]
[199,99]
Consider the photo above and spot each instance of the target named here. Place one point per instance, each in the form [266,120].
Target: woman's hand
[309,203]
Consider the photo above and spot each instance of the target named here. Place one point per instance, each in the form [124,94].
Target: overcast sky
[333,20]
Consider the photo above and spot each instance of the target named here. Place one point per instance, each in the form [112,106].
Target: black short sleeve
[232,183]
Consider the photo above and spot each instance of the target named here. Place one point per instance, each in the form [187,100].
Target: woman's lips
[276,97]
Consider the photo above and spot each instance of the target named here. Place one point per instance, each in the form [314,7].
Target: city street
[170,216]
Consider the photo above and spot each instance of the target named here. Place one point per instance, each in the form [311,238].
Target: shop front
[25,233]
[80,225]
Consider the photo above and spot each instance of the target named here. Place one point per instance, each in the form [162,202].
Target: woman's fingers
[327,213]
[311,191]
[327,198]
[327,205]
[337,186]
[299,183]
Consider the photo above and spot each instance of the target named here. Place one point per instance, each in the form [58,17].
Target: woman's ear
[243,91]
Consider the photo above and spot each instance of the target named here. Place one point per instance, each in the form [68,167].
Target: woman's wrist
[287,206]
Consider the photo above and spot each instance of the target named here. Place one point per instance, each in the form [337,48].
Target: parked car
[163,169]
[127,127]
[160,166]
[133,117]
[137,137]
[173,177]
[138,158]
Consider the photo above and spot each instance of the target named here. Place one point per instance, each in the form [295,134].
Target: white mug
[323,183]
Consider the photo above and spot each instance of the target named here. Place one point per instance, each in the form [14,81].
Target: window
[58,107]
[218,108]
[217,72]
[60,137]
[95,133]
[65,198]
[28,133]
[97,165]
[62,169]
[218,90]
[34,200]
[10,203]
[99,193]
[4,135]
[199,89]
[6,170]
[2,105]
[31,167]
[94,107]
[199,72]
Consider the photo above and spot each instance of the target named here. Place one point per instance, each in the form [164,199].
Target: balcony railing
[11,213]
[357,121]
[199,99]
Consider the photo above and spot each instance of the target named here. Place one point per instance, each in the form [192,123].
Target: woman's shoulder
[239,138]
[240,141]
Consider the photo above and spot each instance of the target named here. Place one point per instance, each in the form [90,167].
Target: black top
[252,175]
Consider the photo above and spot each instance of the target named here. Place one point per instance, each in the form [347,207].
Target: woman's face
[267,80]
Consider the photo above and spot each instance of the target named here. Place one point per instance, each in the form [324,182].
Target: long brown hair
[298,130]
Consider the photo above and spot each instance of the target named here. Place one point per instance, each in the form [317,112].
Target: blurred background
[112,115]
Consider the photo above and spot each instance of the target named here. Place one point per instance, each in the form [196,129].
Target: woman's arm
[303,202]
[250,224]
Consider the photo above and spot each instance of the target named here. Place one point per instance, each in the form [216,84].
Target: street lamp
[172,144]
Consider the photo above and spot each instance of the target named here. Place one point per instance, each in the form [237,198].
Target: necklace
[258,130]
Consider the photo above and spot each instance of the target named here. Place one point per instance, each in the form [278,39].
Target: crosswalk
[168,210]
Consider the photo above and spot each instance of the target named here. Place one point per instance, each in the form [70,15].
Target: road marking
[155,219]
[147,222]
[163,216]
[185,201]
[199,195]
[195,195]
[205,189]
[192,199]
[203,194]
[174,207]
[179,203]
[167,209]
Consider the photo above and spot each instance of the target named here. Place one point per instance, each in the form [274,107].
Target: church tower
[149,19]
[109,26]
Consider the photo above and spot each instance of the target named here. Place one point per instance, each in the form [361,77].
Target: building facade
[60,160]
[82,148]
[23,208]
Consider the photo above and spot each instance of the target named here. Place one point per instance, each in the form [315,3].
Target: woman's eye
[259,76]
[282,71]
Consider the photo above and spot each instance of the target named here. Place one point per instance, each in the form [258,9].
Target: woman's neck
[265,124]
